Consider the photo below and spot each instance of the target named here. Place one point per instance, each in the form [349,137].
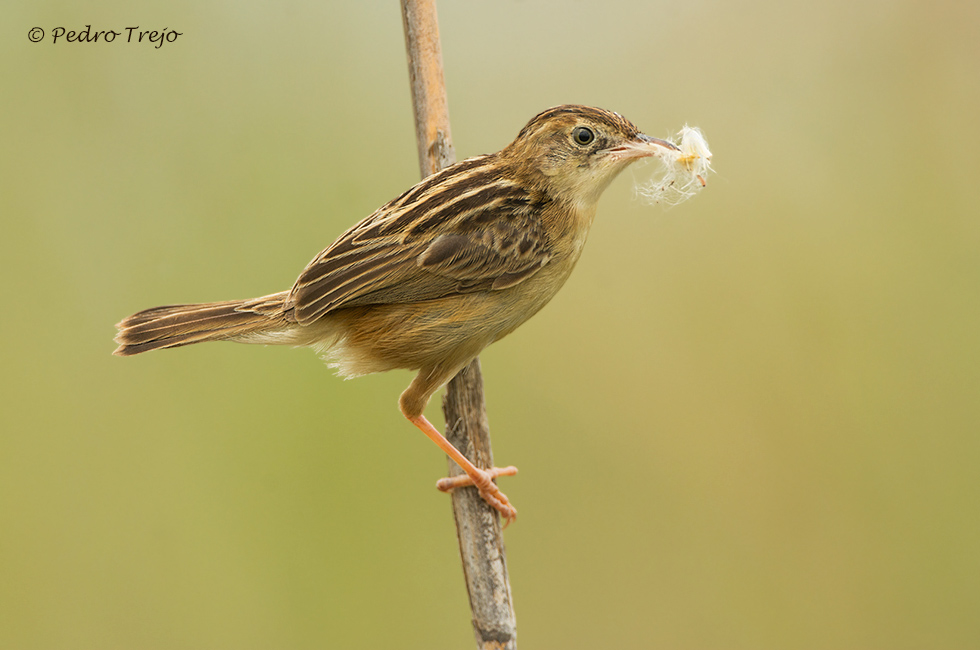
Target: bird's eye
[583,135]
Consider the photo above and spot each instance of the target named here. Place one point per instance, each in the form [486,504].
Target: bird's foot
[482,480]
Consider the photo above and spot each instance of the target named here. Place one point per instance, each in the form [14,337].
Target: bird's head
[574,152]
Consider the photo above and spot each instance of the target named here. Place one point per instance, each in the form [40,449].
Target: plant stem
[481,540]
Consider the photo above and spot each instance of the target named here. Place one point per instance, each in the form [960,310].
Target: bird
[437,274]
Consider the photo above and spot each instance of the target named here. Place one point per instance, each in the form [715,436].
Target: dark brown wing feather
[495,256]
[458,231]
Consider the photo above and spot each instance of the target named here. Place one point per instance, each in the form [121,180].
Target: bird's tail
[258,320]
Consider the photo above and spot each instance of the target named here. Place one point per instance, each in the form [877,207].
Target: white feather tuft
[683,173]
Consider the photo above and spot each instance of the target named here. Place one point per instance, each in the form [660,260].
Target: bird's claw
[483,481]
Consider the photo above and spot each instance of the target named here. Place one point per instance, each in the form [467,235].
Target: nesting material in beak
[683,172]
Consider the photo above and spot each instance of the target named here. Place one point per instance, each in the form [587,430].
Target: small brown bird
[439,273]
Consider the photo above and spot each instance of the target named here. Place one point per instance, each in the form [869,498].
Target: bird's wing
[426,245]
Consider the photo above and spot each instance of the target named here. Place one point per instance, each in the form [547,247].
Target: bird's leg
[412,403]
[479,478]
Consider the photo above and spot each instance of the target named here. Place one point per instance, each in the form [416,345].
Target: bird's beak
[640,147]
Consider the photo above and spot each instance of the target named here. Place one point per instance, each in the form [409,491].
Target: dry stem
[481,541]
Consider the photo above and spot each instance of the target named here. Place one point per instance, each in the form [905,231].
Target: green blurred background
[750,421]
